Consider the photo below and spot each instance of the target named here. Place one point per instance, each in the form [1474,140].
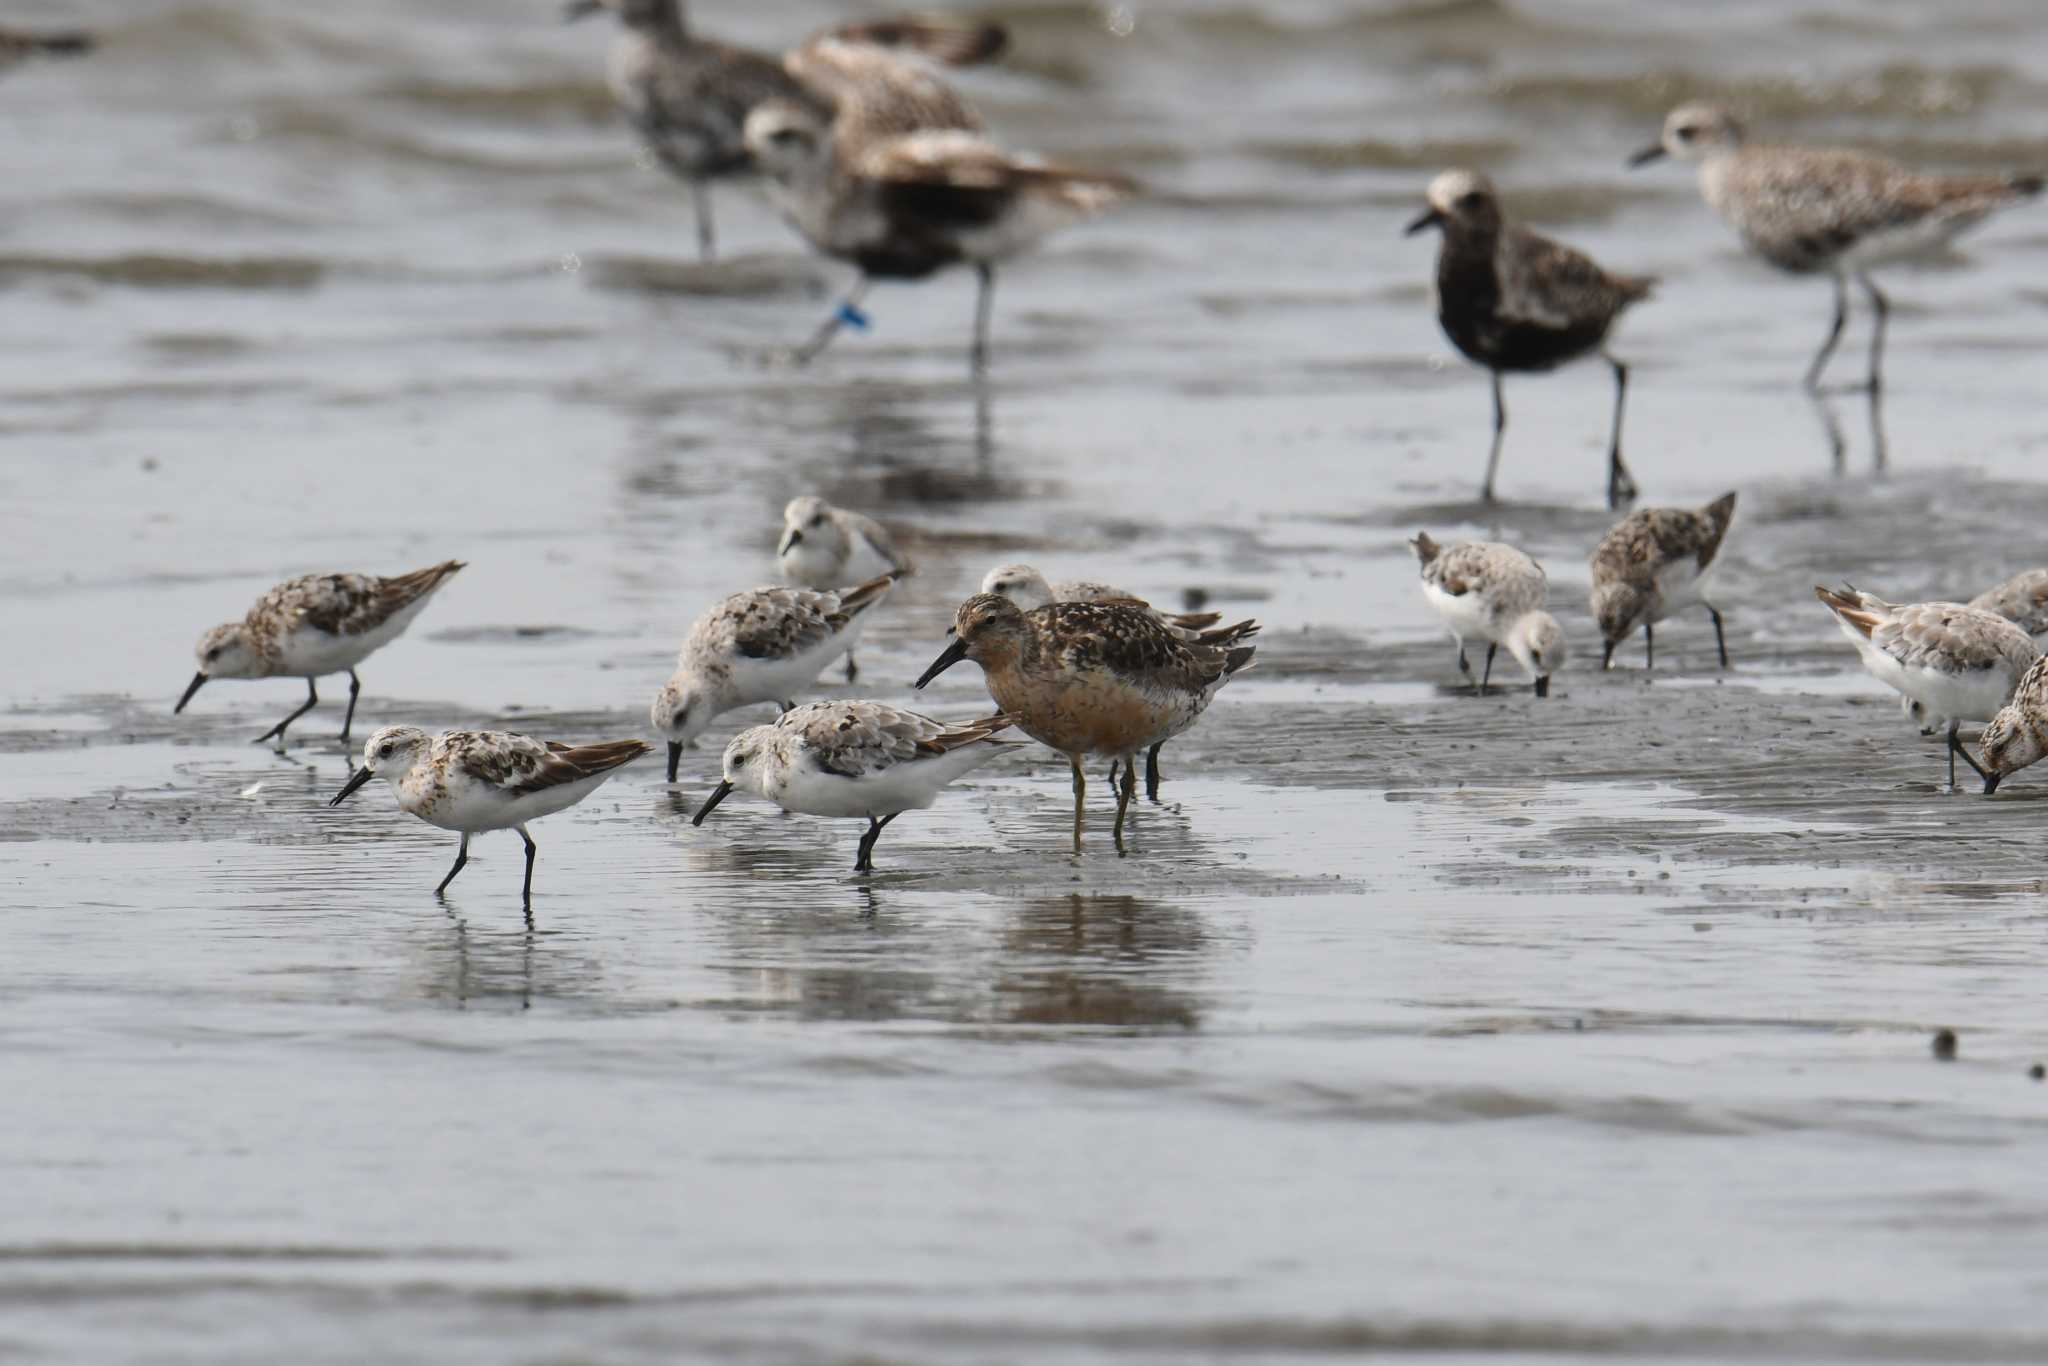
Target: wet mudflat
[1416,1021]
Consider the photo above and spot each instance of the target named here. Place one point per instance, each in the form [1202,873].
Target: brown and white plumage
[865,759]
[1956,662]
[1493,592]
[2018,735]
[1652,563]
[759,646]
[1808,210]
[2021,599]
[477,780]
[1513,300]
[1089,678]
[315,625]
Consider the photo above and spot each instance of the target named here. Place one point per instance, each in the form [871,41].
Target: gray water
[1415,1023]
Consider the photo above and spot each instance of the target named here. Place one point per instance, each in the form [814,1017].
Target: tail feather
[1848,609]
[1229,635]
[1426,548]
[1192,621]
[1238,660]
[2027,183]
[857,599]
[964,733]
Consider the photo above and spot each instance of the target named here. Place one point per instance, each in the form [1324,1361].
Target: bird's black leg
[1827,348]
[1492,648]
[707,245]
[355,686]
[865,863]
[526,889]
[1954,748]
[276,732]
[785,708]
[1080,796]
[1621,489]
[1720,636]
[1500,427]
[1152,772]
[1607,656]
[1884,310]
[461,857]
[984,309]
[1123,798]
[849,307]
[852,669]
[1464,664]
[1649,646]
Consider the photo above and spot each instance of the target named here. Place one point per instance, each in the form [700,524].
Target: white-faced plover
[1029,589]
[865,759]
[823,546]
[478,780]
[688,96]
[1958,663]
[758,646]
[1089,678]
[1487,591]
[1654,562]
[1813,210]
[312,626]
[902,205]
[2018,734]
[1514,301]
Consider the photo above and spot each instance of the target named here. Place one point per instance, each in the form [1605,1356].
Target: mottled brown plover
[1652,563]
[1488,591]
[1513,300]
[1808,210]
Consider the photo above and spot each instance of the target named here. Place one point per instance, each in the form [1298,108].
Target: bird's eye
[739,761]
[213,654]
[818,520]
[1471,199]
[786,137]
[383,751]
[1685,134]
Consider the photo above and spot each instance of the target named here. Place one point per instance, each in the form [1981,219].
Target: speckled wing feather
[971,165]
[347,604]
[853,739]
[1940,636]
[1798,207]
[1549,284]
[1130,640]
[2022,600]
[1645,542]
[775,623]
[877,93]
[693,104]
[520,765]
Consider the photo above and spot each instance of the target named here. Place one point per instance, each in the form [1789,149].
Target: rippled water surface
[1415,1024]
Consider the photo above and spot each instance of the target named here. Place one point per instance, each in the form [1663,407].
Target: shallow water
[1416,1023]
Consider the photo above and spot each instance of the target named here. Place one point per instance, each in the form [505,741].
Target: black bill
[1428,218]
[198,682]
[952,655]
[1646,156]
[718,794]
[348,789]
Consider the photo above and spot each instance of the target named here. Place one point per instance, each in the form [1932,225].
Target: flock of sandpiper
[878,162]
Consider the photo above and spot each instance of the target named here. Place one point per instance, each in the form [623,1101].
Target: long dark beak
[718,794]
[348,789]
[1646,156]
[1428,218]
[950,656]
[579,9]
[1991,782]
[795,534]
[198,682]
[675,756]
[1543,686]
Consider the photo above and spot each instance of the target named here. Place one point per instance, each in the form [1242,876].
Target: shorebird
[688,97]
[2021,600]
[864,759]
[2018,734]
[18,45]
[1028,588]
[1089,678]
[478,780]
[1654,562]
[1960,664]
[1493,592]
[757,646]
[901,190]
[1808,210]
[823,546]
[1513,301]
[312,626]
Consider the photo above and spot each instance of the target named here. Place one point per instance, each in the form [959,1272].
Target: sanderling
[823,546]
[900,204]
[2021,600]
[1089,678]
[854,759]
[2018,734]
[1811,209]
[1958,663]
[758,646]
[315,625]
[1512,299]
[18,45]
[1651,564]
[1028,588]
[478,780]
[688,97]
[1495,593]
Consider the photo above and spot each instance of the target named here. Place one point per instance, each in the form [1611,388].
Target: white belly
[1466,614]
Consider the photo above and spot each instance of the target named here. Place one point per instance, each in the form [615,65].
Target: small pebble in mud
[2037,1072]
[1945,1045]
[1194,599]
